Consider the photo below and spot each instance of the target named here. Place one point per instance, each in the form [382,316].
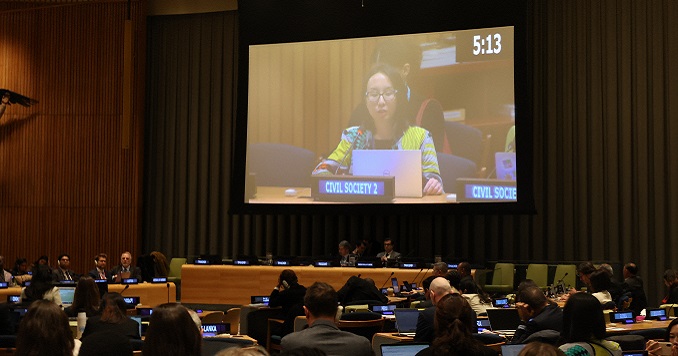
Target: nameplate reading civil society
[486,190]
[353,188]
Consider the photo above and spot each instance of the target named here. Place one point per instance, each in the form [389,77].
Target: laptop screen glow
[404,165]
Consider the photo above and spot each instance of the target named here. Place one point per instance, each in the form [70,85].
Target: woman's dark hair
[86,298]
[525,284]
[469,286]
[44,330]
[670,276]
[583,318]
[454,277]
[171,331]
[454,319]
[43,257]
[402,120]
[113,308]
[600,280]
[17,264]
[288,276]
[160,265]
[536,348]
[673,323]
[40,283]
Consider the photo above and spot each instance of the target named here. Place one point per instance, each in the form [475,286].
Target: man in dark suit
[320,307]
[62,272]
[633,288]
[99,271]
[440,287]
[125,269]
[536,313]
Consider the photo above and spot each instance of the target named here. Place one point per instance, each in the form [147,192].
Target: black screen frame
[269,21]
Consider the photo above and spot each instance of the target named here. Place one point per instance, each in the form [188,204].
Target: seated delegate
[386,128]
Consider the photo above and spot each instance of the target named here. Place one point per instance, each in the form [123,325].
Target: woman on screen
[388,127]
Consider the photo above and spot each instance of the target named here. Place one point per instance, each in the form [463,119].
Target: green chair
[539,273]
[175,273]
[568,273]
[502,279]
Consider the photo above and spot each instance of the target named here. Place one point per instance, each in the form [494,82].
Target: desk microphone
[561,280]
[350,149]
[124,289]
[359,274]
[422,277]
[168,292]
[389,277]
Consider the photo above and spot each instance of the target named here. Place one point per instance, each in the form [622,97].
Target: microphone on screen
[124,289]
[389,277]
[350,149]
[168,292]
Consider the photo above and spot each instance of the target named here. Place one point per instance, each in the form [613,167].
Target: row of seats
[503,276]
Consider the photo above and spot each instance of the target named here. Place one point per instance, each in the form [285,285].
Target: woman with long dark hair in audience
[44,331]
[584,328]
[454,321]
[41,287]
[86,298]
[113,318]
[671,283]
[654,348]
[476,296]
[171,332]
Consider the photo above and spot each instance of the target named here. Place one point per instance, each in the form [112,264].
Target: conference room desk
[618,328]
[387,338]
[276,195]
[150,294]
[223,284]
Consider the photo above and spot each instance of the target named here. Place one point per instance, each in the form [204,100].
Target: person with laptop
[41,287]
[387,127]
[320,308]
[455,322]
[289,295]
[113,318]
[536,313]
[360,289]
[62,272]
[440,287]
[126,270]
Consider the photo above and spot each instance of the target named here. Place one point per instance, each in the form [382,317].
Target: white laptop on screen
[404,165]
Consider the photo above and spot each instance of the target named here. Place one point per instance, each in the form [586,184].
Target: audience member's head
[584,270]
[196,319]
[630,270]
[454,321]
[86,298]
[525,284]
[126,259]
[320,301]
[113,308]
[608,268]
[243,351]
[464,269]
[540,349]
[42,260]
[106,343]
[439,269]
[171,331]
[426,284]
[583,318]
[288,276]
[530,302]
[600,280]
[454,278]
[670,277]
[44,330]
[64,261]
[40,283]
[100,261]
[20,266]
[440,287]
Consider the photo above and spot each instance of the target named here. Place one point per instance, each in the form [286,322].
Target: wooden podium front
[222,284]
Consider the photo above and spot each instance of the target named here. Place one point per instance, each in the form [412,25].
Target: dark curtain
[605,107]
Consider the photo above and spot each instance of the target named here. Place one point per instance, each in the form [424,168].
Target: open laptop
[505,165]
[402,349]
[387,311]
[67,294]
[404,165]
[259,300]
[503,321]
[406,321]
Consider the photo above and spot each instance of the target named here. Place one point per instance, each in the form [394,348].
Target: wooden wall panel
[66,183]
